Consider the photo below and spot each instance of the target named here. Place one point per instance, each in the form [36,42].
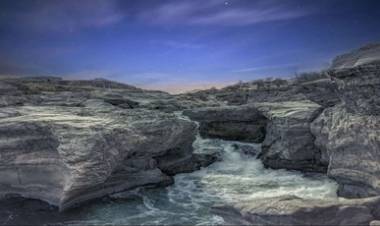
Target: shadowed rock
[240,123]
[289,142]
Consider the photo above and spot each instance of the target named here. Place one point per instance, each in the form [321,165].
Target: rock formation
[86,141]
[349,134]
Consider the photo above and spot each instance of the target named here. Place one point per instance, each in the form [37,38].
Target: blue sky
[177,45]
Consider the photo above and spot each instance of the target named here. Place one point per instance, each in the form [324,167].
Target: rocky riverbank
[68,142]
[327,122]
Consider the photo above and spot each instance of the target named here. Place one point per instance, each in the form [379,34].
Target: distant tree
[279,82]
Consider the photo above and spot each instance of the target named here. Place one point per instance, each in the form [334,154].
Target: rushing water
[237,177]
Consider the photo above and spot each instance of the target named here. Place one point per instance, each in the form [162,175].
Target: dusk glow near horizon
[179,45]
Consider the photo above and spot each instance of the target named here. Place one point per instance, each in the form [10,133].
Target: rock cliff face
[349,133]
[350,145]
[342,134]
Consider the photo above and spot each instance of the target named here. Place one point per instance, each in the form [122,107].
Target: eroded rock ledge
[66,156]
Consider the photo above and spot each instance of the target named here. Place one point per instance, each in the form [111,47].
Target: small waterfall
[239,176]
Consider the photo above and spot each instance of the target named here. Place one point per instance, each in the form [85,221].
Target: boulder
[289,142]
[239,123]
[350,145]
[291,210]
[68,155]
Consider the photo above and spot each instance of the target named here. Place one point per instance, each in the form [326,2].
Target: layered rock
[349,134]
[241,123]
[289,142]
[291,210]
[350,145]
[67,155]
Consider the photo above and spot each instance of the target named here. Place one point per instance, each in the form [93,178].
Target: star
[226,3]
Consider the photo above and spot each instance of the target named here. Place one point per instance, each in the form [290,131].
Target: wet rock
[173,164]
[247,149]
[239,123]
[291,210]
[289,142]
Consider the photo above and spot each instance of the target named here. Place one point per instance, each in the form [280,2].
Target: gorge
[300,151]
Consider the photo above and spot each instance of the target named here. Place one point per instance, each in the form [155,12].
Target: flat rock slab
[291,210]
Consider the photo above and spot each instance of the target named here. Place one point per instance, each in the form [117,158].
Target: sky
[180,45]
